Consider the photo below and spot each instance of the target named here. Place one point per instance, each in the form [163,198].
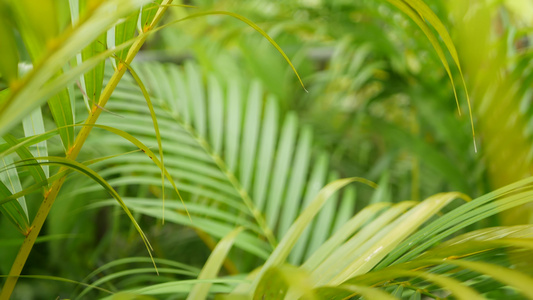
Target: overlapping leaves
[222,170]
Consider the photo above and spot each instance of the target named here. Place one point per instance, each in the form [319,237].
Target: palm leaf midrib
[185,133]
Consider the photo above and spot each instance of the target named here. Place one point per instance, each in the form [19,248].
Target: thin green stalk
[72,154]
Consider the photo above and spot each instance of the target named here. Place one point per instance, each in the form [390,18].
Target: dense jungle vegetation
[297,149]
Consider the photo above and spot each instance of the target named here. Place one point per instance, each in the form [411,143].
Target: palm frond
[191,120]
[220,198]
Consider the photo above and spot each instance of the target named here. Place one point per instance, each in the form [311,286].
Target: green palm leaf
[203,138]
[237,193]
[24,96]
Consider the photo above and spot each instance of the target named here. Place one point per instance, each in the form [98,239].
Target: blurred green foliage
[379,106]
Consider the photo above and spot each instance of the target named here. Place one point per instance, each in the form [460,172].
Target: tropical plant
[374,84]
[48,46]
[237,179]
[336,247]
